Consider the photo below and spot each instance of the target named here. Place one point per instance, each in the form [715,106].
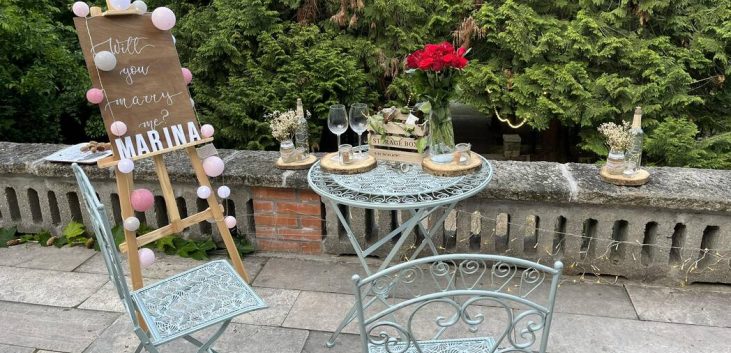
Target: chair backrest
[464,296]
[105,239]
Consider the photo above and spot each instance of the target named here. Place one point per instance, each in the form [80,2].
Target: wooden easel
[125,185]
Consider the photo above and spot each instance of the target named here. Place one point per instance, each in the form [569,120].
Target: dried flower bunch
[618,136]
[283,124]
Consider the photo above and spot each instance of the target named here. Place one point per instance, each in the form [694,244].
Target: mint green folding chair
[458,303]
[180,305]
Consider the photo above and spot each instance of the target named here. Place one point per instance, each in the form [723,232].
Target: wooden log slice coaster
[453,168]
[330,164]
[640,178]
[303,164]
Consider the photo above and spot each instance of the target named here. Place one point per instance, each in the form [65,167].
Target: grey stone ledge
[670,188]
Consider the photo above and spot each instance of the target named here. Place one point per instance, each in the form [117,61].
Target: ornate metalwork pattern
[390,187]
[478,345]
[458,292]
[180,305]
[195,299]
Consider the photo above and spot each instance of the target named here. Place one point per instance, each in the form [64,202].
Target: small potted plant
[284,125]
[618,139]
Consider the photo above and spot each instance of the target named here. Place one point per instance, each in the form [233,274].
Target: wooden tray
[451,169]
[303,164]
[330,164]
[638,179]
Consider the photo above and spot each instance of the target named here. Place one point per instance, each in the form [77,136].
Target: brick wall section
[287,220]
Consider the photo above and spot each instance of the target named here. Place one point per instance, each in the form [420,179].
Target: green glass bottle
[633,158]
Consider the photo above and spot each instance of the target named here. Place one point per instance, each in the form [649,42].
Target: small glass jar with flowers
[284,125]
[618,139]
[435,68]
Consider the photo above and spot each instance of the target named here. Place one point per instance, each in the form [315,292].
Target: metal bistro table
[388,187]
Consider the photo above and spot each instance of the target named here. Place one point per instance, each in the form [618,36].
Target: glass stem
[360,151]
[338,142]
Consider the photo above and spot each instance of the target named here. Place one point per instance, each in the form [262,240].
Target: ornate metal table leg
[404,229]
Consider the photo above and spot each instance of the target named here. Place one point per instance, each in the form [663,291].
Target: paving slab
[52,258]
[107,299]
[14,255]
[4,348]
[280,302]
[168,265]
[345,343]
[686,306]
[51,328]
[239,338]
[571,333]
[66,289]
[321,311]
[594,299]
[332,277]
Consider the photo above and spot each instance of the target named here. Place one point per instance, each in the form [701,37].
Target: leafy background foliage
[580,63]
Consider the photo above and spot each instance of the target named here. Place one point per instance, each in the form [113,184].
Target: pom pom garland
[140,6]
[80,9]
[126,165]
[131,224]
[105,60]
[207,130]
[230,221]
[95,96]
[118,128]
[163,18]
[203,192]
[120,4]
[224,192]
[147,257]
[187,75]
[141,200]
[213,166]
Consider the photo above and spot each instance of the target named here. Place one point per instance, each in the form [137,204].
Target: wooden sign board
[146,90]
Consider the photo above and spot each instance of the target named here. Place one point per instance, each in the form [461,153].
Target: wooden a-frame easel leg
[233,252]
[125,184]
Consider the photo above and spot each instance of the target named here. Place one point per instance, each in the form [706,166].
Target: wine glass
[337,121]
[359,121]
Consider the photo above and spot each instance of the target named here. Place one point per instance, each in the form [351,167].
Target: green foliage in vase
[588,62]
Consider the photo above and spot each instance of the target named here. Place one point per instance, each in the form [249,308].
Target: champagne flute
[337,121]
[359,122]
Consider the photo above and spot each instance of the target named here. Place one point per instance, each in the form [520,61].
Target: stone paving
[60,300]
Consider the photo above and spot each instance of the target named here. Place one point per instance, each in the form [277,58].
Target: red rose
[437,57]
[412,61]
[426,63]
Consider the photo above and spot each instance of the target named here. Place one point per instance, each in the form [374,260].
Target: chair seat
[462,345]
[194,299]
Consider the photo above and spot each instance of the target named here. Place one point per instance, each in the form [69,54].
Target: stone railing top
[675,188]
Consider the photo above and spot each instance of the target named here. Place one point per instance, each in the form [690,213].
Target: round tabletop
[389,187]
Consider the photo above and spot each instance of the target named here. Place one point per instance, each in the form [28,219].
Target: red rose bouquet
[434,68]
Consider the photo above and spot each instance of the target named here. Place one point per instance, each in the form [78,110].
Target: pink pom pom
[95,96]
[163,18]
[118,128]
[80,9]
[187,75]
[147,257]
[207,130]
[230,221]
[141,200]
[213,166]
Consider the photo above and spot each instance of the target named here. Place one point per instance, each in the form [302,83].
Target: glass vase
[615,162]
[287,151]
[441,133]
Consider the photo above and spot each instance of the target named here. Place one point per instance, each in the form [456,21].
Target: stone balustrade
[675,228]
